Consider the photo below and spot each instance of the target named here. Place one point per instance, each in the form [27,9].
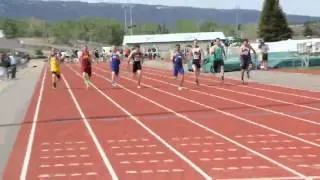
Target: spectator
[13,66]
[6,63]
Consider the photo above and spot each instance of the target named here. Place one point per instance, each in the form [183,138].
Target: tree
[10,28]
[273,24]
[208,27]
[307,30]
[185,26]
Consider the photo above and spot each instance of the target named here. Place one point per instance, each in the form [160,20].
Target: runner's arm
[130,56]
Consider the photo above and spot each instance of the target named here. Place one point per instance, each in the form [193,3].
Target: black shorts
[244,64]
[217,65]
[136,66]
[56,74]
[265,57]
[196,62]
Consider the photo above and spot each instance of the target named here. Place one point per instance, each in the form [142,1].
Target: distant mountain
[62,10]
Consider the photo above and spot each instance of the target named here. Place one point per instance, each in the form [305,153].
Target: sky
[298,7]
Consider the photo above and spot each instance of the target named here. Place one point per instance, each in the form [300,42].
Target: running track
[216,131]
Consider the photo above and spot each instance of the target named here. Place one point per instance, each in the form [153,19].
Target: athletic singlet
[138,57]
[54,64]
[246,56]
[218,53]
[115,57]
[196,54]
[177,58]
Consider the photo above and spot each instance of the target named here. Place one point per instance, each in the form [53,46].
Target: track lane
[230,171]
[15,161]
[223,92]
[302,129]
[299,107]
[253,86]
[133,152]
[57,145]
[250,130]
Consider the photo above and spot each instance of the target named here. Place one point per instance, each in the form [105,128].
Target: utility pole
[125,19]
[131,23]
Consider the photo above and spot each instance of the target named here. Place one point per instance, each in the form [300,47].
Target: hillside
[59,10]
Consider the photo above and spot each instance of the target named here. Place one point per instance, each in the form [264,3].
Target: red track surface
[223,131]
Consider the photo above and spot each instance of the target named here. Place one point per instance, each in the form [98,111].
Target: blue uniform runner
[115,63]
[177,64]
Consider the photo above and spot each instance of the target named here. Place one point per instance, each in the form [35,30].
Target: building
[167,40]
[2,34]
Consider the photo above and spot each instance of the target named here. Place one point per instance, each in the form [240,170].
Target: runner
[245,58]
[137,57]
[114,64]
[219,55]
[55,67]
[177,60]
[86,66]
[196,53]
[96,55]
[264,55]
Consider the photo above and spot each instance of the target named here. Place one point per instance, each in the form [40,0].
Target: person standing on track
[177,60]
[197,55]
[137,57]
[115,65]
[86,63]
[219,55]
[264,55]
[245,58]
[55,68]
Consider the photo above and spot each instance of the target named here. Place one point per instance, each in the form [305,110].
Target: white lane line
[58,165]
[84,155]
[44,157]
[91,173]
[159,152]
[91,132]
[120,154]
[208,129]
[177,170]
[75,174]
[131,172]
[44,166]
[43,176]
[217,169]
[194,166]
[74,164]
[139,162]
[27,155]
[248,94]
[147,171]
[232,168]
[232,150]
[125,162]
[269,178]
[229,114]
[163,171]
[205,159]
[168,160]
[59,175]
[88,164]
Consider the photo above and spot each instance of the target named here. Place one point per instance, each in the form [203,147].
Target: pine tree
[307,30]
[273,24]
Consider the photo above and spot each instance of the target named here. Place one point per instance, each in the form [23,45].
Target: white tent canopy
[178,37]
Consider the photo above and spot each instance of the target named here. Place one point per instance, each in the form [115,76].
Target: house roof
[177,37]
